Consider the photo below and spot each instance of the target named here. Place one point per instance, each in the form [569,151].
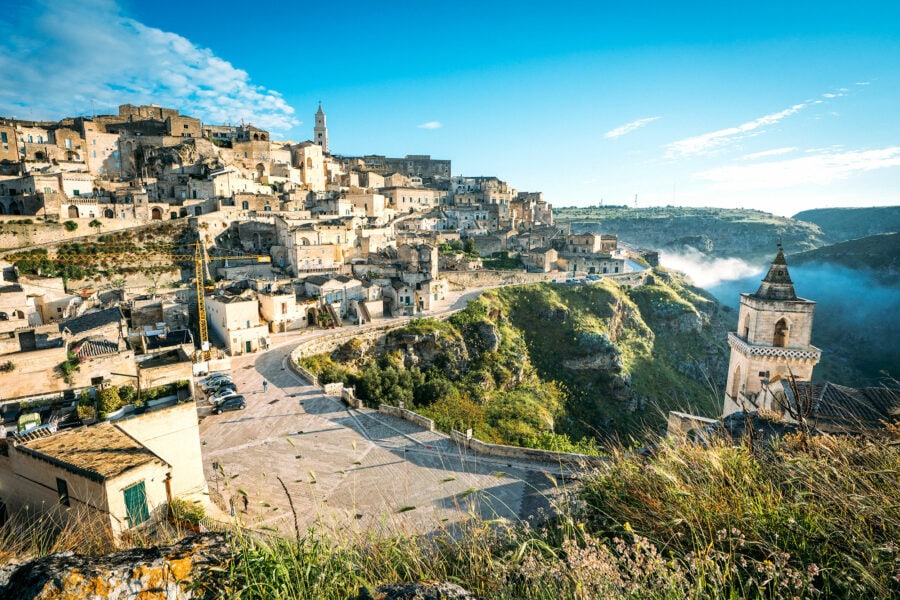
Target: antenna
[635,200]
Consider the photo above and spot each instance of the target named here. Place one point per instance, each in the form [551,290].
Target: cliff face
[592,361]
[715,232]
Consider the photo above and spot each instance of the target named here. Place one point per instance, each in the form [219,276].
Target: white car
[219,396]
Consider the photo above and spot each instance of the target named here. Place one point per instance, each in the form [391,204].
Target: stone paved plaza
[355,469]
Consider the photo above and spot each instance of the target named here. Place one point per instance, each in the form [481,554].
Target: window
[3,137]
[136,504]
[68,144]
[62,489]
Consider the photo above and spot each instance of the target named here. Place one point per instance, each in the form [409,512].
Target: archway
[782,333]
[38,156]
[198,210]
[312,317]
[736,383]
[3,209]
[156,214]
[108,213]
[73,212]
[309,163]
[245,205]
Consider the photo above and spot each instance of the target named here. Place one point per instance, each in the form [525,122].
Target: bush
[70,225]
[182,512]
[7,367]
[109,400]
[127,394]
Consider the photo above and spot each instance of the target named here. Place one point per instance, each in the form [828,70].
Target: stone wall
[529,454]
[407,415]
[680,424]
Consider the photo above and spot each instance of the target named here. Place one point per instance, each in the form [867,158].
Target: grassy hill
[549,365]
[717,232]
[840,224]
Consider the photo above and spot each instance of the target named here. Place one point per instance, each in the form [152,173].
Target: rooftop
[101,452]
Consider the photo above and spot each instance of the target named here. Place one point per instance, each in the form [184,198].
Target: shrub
[109,400]
[7,367]
[182,512]
[70,225]
[127,394]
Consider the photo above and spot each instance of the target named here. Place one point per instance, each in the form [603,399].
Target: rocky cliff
[716,232]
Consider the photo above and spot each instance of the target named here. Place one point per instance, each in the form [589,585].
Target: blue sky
[770,105]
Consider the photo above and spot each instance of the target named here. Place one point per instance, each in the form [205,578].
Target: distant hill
[717,232]
[840,224]
[878,253]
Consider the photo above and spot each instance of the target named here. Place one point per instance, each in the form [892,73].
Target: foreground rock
[163,572]
[417,591]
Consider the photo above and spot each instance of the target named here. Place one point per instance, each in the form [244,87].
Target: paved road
[347,469]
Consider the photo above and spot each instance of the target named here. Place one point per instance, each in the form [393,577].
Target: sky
[778,106]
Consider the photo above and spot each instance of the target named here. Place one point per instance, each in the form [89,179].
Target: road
[347,469]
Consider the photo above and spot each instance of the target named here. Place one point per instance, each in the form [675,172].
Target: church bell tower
[321,131]
[772,340]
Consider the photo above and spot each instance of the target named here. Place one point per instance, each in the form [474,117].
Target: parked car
[230,403]
[205,385]
[210,378]
[229,391]
[225,383]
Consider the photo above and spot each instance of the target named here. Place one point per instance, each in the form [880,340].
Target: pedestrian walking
[265,386]
[246,503]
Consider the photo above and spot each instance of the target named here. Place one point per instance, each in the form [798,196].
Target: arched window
[736,383]
[782,331]
[245,205]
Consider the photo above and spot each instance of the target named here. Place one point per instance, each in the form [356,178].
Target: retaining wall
[530,454]
[407,415]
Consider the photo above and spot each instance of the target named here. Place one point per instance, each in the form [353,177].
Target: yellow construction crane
[198,257]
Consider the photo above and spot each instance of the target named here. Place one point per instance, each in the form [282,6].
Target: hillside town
[314,241]
[284,250]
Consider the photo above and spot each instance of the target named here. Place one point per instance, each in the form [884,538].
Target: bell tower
[321,131]
[772,340]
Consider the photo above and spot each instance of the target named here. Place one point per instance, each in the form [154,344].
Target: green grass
[791,519]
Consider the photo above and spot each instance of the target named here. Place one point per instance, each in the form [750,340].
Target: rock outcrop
[164,573]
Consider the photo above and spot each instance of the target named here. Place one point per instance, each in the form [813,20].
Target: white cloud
[629,127]
[72,56]
[430,125]
[765,153]
[821,168]
[710,142]
[862,83]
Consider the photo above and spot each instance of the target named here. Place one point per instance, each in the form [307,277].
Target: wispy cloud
[431,125]
[629,127]
[716,140]
[772,152]
[51,63]
[820,168]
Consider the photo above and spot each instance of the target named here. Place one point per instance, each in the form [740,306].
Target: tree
[96,224]
[109,400]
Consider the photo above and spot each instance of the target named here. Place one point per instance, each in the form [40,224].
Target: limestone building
[772,340]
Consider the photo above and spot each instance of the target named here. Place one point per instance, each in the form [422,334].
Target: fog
[856,321]
[708,272]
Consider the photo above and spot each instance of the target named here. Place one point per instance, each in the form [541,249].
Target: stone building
[772,340]
[235,321]
[112,476]
[320,131]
